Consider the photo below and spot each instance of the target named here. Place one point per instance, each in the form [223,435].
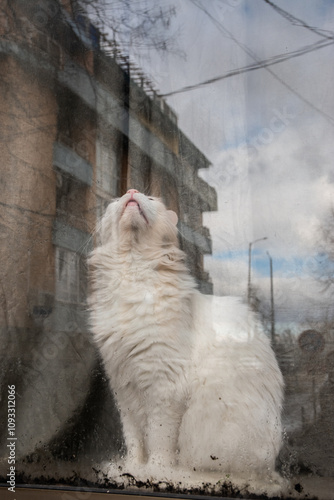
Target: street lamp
[272,309]
[250,266]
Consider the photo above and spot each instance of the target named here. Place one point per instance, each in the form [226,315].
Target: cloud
[268,134]
[298,298]
[282,190]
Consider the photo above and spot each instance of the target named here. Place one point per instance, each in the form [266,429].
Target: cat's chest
[137,292]
[138,282]
[141,294]
[137,285]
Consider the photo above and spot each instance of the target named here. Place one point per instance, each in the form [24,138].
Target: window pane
[166,278]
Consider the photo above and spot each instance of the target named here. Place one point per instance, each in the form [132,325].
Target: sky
[269,135]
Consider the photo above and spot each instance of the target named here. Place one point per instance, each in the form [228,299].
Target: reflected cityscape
[80,124]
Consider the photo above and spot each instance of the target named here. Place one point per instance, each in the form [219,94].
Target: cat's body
[194,376]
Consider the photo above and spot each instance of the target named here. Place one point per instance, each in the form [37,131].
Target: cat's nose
[132,192]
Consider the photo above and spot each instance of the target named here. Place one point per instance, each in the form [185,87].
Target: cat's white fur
[194,376]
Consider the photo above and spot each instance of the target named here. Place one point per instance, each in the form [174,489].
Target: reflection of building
[76,131]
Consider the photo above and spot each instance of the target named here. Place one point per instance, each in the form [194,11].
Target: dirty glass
[224,111]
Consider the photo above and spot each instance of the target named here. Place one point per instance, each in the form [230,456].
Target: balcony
[68,161]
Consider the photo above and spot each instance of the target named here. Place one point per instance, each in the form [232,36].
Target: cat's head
[136,215]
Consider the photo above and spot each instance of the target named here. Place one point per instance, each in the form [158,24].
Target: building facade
[79,126]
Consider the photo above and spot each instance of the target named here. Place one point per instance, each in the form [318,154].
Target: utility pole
[272,308]
[249,287]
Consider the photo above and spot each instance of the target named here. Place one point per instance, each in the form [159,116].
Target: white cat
[194,376]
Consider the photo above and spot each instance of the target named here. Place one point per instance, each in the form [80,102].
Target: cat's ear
[172,216]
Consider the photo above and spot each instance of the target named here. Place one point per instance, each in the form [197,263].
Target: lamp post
[272,309]
[250,267]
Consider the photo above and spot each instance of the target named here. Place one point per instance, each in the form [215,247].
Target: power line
[248,51]
[299,22]
[252,67]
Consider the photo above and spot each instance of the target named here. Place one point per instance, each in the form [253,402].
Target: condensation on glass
[81,123]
